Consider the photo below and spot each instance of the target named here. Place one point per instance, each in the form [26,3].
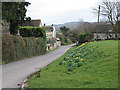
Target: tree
[110,10]
[64,30]
[15,14]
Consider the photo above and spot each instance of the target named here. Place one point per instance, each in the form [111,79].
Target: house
[33,23]
[51,35]
[50,32]
[104,32]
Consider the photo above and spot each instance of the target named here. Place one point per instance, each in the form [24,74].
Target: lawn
[91,65]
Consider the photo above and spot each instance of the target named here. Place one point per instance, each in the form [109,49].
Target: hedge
[29,31]
[17,47]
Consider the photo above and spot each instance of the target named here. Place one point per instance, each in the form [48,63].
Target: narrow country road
[17,72]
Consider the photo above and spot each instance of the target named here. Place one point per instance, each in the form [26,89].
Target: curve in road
[16,72]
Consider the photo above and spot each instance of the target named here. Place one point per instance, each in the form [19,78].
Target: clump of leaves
[79,64]
[60,63]
[70,69]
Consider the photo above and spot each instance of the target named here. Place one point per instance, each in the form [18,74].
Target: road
[16,72]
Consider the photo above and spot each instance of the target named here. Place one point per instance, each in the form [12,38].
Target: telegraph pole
[98,21]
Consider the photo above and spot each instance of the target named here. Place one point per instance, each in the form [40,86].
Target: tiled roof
[47,28]
[34,23]
[102,28]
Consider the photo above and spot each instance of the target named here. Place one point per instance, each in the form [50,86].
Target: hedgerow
[17,47]
[29,31]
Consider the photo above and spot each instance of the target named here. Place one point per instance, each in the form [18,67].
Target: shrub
[19,47]
[64,40]
[41,46]
[29,31]
[7,48]
[29,47]
[82,37]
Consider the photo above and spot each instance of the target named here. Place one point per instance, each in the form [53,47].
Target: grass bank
[92,65]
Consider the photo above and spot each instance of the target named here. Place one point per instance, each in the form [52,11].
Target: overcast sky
[62,11]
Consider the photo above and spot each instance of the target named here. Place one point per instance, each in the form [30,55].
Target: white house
[104,32]
[51,35]
[50,31]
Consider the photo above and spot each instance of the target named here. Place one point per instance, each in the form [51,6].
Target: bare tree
[110,9]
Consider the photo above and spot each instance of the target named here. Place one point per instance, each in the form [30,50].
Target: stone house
[50,32]
[33,23]
[104,32]
[51,35]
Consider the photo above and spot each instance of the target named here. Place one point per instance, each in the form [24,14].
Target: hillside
[91,65]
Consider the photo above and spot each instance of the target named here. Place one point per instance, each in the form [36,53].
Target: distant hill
[74,25]
[71,25]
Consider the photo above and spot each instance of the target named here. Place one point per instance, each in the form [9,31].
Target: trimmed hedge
[16,47]
[29,31]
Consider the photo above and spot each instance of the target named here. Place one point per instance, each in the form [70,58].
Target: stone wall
[51,47]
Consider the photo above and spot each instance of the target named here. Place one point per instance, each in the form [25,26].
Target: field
[90,65]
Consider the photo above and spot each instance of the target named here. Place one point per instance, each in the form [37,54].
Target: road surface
[16,72]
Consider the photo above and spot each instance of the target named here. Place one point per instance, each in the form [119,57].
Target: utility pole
[98,21]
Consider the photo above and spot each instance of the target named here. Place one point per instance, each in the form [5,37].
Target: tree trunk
[116,36]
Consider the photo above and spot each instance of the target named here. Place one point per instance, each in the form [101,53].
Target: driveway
[16,72]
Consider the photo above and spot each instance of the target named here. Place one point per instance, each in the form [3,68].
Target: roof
[102,28]
[34,23]
[47,28]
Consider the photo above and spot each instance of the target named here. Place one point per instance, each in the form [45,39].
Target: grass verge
[100,69]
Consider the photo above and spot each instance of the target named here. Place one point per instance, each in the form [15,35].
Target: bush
[41,46]
[19,47]
[7,48]
[82,37]
[29,47]
[29,31]
[16,47]
[64,40]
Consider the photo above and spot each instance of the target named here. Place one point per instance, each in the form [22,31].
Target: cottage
[104,32]
[51,35]
[50,31]
[33,23]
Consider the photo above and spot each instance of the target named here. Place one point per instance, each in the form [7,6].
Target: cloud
[60,11]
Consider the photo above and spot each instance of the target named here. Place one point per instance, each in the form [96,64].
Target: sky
[62,11]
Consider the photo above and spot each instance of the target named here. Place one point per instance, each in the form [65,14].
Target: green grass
[99,71]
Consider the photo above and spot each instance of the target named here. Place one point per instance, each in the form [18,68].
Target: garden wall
[17,47]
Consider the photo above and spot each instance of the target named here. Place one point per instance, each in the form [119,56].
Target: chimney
[44,24]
